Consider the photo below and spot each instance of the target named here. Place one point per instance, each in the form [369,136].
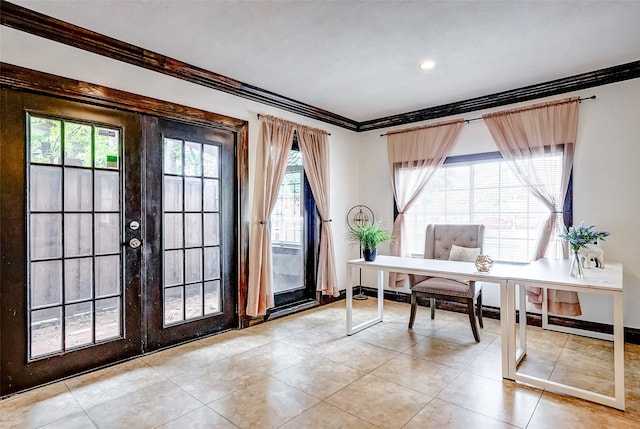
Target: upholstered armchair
[450,242]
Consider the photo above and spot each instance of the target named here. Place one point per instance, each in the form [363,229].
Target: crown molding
[41,25]
[554,87]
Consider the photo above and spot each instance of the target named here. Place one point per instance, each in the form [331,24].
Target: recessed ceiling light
[428,65]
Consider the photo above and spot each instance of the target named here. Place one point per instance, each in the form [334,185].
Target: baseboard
[631,335]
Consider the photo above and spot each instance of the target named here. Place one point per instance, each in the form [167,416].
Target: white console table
[554,274]
[462,271]
[544,273]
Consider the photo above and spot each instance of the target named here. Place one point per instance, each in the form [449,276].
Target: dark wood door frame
[20,78]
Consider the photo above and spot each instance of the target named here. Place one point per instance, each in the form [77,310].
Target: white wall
[606,173]
[606,183]
[44,55]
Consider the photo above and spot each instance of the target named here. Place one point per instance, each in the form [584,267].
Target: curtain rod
[580,100]
[260,116]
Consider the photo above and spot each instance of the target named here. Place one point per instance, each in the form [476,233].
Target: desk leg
[353,329]
[507,328]
[349,300]
[522,350]
[380,293]
[618,350]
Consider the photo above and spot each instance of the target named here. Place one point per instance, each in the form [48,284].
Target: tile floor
[302,371]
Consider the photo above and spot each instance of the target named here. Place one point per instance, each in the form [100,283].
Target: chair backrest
[439,239]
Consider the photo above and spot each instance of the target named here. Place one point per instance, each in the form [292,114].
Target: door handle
[134,243]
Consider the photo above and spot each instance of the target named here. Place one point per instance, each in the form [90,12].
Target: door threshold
[291,309]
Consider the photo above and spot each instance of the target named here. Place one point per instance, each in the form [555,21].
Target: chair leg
[414,304]
[472,319]
[432,305]
[479,304]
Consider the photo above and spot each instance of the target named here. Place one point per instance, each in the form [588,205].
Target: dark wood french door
[117,236]
[191,274]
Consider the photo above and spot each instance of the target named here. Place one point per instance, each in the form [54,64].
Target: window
[483,189]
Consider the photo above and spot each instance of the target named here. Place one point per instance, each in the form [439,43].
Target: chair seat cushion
[446,287]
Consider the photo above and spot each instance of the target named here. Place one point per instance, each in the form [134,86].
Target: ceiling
[360,59]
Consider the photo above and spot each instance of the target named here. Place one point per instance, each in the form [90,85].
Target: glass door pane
[287,228]
[75,217]
[191,231]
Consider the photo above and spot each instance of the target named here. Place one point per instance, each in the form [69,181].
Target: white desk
[546,274]
[554,274]
[462,271]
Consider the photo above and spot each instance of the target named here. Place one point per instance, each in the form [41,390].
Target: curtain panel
[414,156]
[315,160]
[535,132]
[274,146]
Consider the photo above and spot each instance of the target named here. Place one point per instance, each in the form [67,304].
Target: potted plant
[578,237]
[368,236]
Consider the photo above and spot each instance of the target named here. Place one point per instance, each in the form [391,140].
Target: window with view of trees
[483,189]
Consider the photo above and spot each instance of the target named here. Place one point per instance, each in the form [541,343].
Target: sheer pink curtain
[527,138]
[414,156]
[315,159]
[274,145]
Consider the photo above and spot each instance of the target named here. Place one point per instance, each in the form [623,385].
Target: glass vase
[576,269]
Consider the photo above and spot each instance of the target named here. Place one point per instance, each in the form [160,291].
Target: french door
[295,237]
[190,281]
[116,236]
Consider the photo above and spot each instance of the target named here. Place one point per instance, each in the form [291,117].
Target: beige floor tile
[540,360]
[333,314]
[113,382]
[280,328]
[577,378]
[303,371]
[153,406]
[272,357]
[632,403]
[556,411]
[325,416]
[492,325]
[418,374]
[545,336]
[183,359]
[319,376]
[441,414]
[202,418]
[461,333]
[266,404]
[389,338]
[362,356]
[215,381]
[587,364]
[587,344]
[316,340]
[501,400]
[446,352]
[487,364]
[38,407]
[74,421]
[235,342]
[380,402]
